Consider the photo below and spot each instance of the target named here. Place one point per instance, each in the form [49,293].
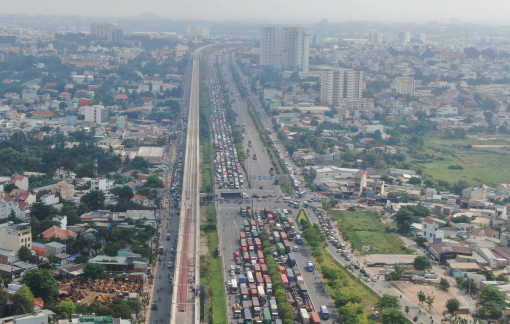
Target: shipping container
[285,281]
[314,318]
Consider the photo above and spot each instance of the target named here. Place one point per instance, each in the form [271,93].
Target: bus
[302,194]
[234,286]
[161,249]
[324,312]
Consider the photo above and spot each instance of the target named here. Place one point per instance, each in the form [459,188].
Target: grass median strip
[351,296]
[211,271]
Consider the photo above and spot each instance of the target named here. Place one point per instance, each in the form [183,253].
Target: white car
[232,273]
[375,278]
[295,248]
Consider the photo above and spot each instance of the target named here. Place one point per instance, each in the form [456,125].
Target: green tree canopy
[387,301]
[94,271]
[393,316]
[94,200]
[422,263]
[452,305]
[66,308]
[126,193]
[22,301]
[42,284]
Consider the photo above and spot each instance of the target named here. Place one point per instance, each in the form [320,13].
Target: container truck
[291,260]
[251,247]
[257,270]
[258,244]
[256,306]
[237,311]
[303,314]
[259,279]
[283,236]
[264,269]
[267,317]
[276,236]
[253,290]
[303,291]
[286,245]
[285,281]
[273,308]
[244,245]
[314,318]
[281,248]
[249,277]
[290,275]
[242,235]
[242,280]
[247,316]
[261,294]
[244,293]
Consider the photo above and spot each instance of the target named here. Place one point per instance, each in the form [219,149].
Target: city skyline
[280,12]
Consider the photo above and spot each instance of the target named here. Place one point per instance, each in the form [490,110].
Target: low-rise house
[58,233]
[489,232]
[431,228]
[140,200]
[21,182]
[65,189]
[444,251]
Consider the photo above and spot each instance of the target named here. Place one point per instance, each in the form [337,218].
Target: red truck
[253,290]
[260,255]
[290,221]
[283,237]
[250,244]
[244,246]
[264,269]
[237,255]
[243,235]
[287,246]
[256,269]
[314,318]
[259,279]
[258,244]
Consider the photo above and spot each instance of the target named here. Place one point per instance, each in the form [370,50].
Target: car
[339,250]
[260,187]
[232,273]
[154,306]
[294,248]
[367,279]
[363,270]
[347,258]
[375,278]
[160,258]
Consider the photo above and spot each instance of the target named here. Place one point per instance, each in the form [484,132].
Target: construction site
[85,291]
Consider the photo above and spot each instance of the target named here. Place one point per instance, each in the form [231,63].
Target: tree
[25,254]
[452,305]
[94,200]
[94,271]
[430,301]
[422,297]
[444,284]
[42,284]
[407,309]
[22,301]
[489,274]
[404,218]
[502,277]
[348,315]
[153,181]
[392,316]
[422,263]
[126,193]
[66,308]
[387,301]
[10,187]
[397,273]
[42,211]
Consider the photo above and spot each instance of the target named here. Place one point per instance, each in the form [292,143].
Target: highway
[380,287]
[229,218]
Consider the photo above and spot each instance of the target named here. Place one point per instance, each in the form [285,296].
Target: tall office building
[116,36]
[314,40]
[405,86]
[198,30]
[339,83]
[404,38]
[375,38]
[96,114]
[285,47]
[102,30]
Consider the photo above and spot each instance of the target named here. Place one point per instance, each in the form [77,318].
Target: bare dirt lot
[411,290]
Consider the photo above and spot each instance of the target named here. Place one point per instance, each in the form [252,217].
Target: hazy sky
[285,11]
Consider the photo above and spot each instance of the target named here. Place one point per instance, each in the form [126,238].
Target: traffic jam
[251,286]
[226,164]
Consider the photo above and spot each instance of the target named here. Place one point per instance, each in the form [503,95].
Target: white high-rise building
[102,29]
[375,38]
[96,114]
[405,86]
[285,47]
[198,30]
[339,83]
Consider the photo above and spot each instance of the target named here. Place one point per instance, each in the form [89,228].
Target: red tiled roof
[120,96]
[490,230]
[476,233]
[19,178]
[429,220]
[43,113]
[140,197]
[64,94]
[62,184]
[58,232]
[38,302]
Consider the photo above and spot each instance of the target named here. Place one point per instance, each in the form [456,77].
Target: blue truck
[290,275]
[242,279]
[291,260]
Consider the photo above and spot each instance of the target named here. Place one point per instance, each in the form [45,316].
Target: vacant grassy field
[366,229]
[478,167]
